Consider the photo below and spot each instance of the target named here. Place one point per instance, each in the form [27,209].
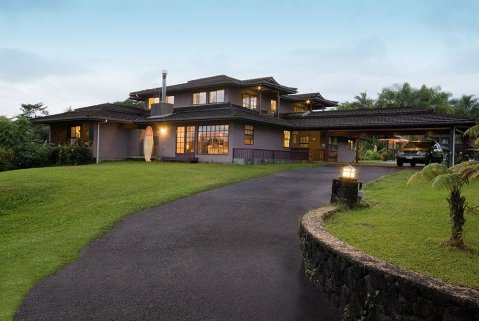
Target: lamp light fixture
[349,173]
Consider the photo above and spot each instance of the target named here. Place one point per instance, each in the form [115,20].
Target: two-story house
[223,119]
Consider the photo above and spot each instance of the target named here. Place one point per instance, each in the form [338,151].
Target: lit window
[185,139]
[299,109]
[303,141]
[217,96]
[170,100]
[273,105]
[75,132]
[248,135]
[295,137]
[180,140]
[286,138]
[213,140]
[350,144]
[250,101]
[199,98]
[153,100]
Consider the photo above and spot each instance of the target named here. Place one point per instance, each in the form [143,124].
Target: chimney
[162,109]
[163,89]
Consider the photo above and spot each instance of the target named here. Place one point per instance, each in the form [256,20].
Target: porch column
[98,143]
[326,149]
[452,146]
[278,104]
[356,156]
[259,103]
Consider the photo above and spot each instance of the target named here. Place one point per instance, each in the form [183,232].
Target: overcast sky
[78,53]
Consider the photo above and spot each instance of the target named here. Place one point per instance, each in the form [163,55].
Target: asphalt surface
[227,254]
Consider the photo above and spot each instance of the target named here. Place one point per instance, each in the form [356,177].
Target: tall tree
[131,103]
[363,101]
[467,106]
[406,96]
[33,110]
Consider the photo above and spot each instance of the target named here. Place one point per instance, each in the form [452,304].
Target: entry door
[185,140]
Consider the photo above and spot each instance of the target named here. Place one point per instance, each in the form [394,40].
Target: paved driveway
[227,254]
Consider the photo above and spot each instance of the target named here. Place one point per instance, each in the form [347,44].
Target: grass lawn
[406,226]
[47,215]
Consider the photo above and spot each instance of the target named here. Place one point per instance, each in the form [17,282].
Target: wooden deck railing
[296,154]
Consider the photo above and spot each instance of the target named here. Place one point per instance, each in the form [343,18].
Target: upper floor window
[217,96]
[199,98]
[156,100]
[170,100]
[299,108]
[250,101]
[273,105]
[248,135]
[153,100]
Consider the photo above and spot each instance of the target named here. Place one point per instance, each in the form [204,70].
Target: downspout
[98,141]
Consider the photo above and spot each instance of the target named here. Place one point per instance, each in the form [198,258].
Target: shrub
[71,155]
[6,159]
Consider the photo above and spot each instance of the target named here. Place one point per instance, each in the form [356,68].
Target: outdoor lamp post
[346,189]
[349,173]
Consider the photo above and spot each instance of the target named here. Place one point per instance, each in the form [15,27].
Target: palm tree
[363,101]
[466,106]
[473,132]
[453,179]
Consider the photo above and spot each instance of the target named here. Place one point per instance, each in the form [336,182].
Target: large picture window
[286,138]
[213,139]
[248,135]
[199,98]
[217,96]
[250,101]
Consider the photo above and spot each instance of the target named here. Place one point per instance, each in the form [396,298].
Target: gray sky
[78,53]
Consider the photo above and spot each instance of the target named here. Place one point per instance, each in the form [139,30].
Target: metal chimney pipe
[163,90]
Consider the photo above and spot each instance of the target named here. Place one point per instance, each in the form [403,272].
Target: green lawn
[406,226]
[47,215]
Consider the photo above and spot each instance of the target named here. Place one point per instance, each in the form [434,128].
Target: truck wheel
[399,163]
[413,164]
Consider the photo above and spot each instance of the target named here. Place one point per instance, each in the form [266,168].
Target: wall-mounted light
[259,87]
[349,173]
[162,131]
[308,101]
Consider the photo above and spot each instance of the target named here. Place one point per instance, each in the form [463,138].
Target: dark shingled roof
[215,81]
[314,97]
[376,118]
[217,112]
[100,112]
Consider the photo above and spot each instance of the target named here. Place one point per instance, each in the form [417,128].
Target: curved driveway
[226,254]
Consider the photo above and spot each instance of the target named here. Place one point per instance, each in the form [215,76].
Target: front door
[185,141]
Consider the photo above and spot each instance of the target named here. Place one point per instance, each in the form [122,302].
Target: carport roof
[377,118]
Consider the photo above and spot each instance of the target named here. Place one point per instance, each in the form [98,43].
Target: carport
[350,126]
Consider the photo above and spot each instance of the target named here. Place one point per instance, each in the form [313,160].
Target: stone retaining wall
[373,289]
